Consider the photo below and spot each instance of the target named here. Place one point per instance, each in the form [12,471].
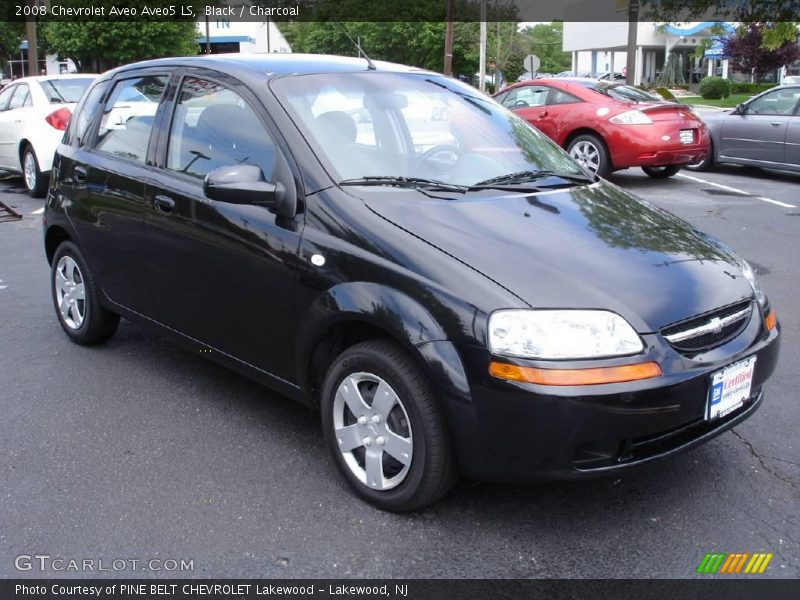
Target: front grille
[698,334]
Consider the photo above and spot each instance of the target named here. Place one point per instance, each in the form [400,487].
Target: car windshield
[620,92]
[415,125]
[65,91]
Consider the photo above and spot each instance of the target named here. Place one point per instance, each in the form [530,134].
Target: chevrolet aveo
[450,290]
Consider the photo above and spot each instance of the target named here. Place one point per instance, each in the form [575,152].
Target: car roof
[51,77]
[277,64]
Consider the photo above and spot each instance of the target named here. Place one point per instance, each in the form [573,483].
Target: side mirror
[242,184]
[741,109]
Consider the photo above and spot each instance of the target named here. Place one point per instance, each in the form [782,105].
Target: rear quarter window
[85,113]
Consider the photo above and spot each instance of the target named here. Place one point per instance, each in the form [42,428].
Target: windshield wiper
[529,177]
[399,181]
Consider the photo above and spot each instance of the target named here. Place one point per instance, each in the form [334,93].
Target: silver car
[762,132]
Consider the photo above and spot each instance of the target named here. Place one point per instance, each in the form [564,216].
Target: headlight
[631,117]
[558,334]
[750,275]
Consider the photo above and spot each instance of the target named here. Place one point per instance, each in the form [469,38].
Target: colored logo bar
[738,562]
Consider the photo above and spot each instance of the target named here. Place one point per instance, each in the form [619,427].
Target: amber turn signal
[574,376]
[771,320]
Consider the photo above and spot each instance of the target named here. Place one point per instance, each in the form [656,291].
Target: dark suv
[448,288]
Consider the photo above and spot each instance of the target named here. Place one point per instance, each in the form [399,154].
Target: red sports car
[608,126]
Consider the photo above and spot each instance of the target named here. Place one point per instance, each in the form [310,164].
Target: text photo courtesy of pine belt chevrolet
[34,112]
[481,306]
[608,126]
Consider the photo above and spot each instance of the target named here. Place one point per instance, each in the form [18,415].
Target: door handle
[776,123]
[79,174]
[164,204]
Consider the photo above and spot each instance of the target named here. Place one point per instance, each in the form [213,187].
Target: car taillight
[59,119]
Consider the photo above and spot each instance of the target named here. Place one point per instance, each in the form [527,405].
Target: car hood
[592,246]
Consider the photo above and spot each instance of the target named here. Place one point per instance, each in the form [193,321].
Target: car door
[221,273]
[105,179]
[530,103]
[556,121]
[12,119]
[6,138]
[758,132]
[793,135]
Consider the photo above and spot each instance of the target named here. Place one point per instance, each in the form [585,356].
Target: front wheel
[76,299]
[35,180]
[384,428]
[661,172]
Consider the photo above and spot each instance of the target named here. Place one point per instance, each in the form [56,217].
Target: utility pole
[448,40]
[208,37]
[33,44]
[482,61]
[633,29]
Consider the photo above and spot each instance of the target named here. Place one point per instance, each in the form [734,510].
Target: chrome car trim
[714,325]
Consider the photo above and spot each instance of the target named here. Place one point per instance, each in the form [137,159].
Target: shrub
[750,88]
[714,88]
[665,93]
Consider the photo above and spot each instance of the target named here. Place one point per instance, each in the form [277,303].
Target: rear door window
[128,117]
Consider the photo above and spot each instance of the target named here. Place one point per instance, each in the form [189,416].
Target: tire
[413,423]
[84,320]
[35,181]
[703,165]
[661,172]
[590,151]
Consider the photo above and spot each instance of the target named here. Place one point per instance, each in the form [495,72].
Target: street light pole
[482,61]
[448,40]
[633,29]
[33,44]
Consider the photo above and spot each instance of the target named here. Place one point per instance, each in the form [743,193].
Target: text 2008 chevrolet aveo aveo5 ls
[447,287]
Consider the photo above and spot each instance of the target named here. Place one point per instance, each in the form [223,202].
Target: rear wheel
[35,181]
[590,152]
[384,429]
[75,298]
[661,172]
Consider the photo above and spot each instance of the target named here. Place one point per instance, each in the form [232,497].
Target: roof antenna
[370,65]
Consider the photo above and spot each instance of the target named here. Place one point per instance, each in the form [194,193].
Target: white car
[34,112]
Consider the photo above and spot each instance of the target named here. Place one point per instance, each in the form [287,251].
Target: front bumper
[523,432]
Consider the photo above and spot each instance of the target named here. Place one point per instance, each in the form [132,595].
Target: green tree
[11,34]
[545,40]
[100,45]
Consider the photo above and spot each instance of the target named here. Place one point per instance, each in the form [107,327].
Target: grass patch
[729,102]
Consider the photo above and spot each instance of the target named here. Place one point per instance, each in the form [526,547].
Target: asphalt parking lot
[138,449]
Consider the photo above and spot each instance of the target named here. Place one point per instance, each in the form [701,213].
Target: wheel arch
[53,238]
[23,143]
[354,312]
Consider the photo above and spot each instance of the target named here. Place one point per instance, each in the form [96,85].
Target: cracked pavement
[138,449]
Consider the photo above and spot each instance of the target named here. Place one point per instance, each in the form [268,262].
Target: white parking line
[735,190]
[778,202]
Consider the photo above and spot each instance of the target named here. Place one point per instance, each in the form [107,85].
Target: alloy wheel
[587,155]
[29,170]
[372,430]
[70,292]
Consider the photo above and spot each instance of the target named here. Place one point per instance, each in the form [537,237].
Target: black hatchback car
[447,287]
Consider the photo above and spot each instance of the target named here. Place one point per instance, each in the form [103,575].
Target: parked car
[616,76]
[762,132]
[34,112]
[607,126]
[484,308]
